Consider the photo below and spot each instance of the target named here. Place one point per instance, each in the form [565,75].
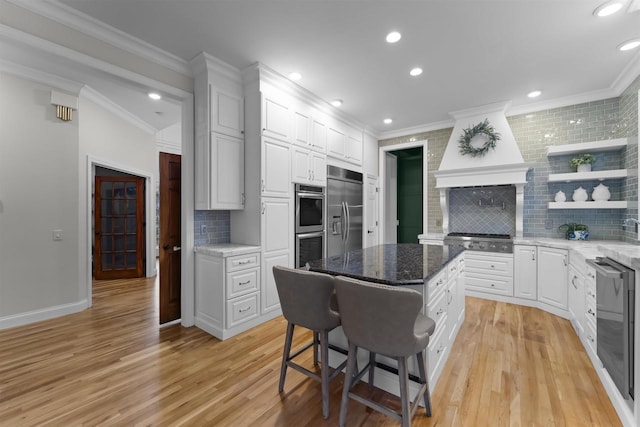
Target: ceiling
[473,52]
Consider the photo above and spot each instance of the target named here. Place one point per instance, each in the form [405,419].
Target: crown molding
[444,124]
[97,97]
[65,15]
[205,62]
[41,77]
[628,75]
[566,101]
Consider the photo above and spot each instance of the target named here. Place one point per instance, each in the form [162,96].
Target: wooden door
[119,250]
[170,267]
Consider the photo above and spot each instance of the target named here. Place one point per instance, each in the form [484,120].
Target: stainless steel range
[502,243]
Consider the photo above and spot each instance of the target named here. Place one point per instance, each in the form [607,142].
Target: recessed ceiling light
[295,76]
[629,44]
[336,102]
[608,8]
[534,94]
[155,96]
[415,71]
[393,37]
[388,121]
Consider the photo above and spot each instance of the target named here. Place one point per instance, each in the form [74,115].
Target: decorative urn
[601,193]
[580,195]
[560,196]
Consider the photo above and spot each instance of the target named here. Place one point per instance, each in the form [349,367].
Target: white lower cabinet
[576,303]
[553,267]
[589,316]
[277,246]
[489,272]
[525,272]
[227,292]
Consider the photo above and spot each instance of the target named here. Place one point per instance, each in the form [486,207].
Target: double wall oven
[310,223]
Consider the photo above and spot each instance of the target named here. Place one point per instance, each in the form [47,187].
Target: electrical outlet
[203,228]
[57,235]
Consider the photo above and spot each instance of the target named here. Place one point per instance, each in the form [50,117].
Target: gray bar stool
[308,300]
[384,320]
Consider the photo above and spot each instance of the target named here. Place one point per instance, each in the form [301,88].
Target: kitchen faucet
[630,221]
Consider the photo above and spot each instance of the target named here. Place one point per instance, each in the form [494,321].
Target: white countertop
[625,253]
[226,249]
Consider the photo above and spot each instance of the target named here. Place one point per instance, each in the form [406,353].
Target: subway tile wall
[218,227]
[592,121]
[483,210]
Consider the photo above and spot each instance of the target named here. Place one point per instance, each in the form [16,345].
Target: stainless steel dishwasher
[615,298]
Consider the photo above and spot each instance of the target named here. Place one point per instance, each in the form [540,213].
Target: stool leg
[372,368]
[348,381]
[324,372]
[423,377]
[315,348]
[285,355]
[403,374]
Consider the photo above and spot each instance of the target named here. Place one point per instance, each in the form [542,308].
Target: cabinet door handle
[439,312]
[440,349]
[242,310]
[573,282]
[263,208]
[591,312]
[564,260]
[450,297]
[533,255]
[244,262]
[262,186]
[244,283]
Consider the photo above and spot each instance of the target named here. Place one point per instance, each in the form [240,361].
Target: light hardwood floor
[113,365]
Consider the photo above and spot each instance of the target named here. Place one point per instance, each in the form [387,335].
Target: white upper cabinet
[275,169]
[227,111]
[219,135]
[344,142]
[319,134]
[308,167]
[277,117]
[227,164]
[302,128]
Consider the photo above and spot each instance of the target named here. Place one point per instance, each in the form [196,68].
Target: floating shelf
[587,147]
[621,204]
[586,176]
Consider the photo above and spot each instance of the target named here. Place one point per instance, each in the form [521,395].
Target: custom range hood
[502,165]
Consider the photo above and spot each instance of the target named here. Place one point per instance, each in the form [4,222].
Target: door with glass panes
[119,227]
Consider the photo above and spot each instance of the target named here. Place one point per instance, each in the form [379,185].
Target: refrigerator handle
[348,217]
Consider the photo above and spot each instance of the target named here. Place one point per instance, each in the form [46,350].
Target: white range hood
[503,165]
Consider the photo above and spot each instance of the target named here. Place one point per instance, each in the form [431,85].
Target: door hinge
[377,189]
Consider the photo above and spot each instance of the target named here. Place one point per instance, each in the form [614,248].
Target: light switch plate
[57,235]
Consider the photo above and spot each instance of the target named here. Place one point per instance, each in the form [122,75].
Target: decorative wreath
[467,134]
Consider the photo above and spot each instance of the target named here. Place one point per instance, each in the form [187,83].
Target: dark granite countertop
[390,264]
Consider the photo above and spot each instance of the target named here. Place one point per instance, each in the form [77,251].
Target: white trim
[187,206]
[150,214]
[581,98]
[41,45]
[444,124]
[627,76]
[72,18]
[40,77]
[42,314]
[163,146]
[97,97]
[381,183]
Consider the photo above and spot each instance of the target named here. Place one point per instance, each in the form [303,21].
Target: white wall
[38,193]
[110,141]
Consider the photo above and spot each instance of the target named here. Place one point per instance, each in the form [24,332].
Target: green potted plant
[583,162]
[575,231]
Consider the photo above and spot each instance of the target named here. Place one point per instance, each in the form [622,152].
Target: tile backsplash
[483,210]
[218,225]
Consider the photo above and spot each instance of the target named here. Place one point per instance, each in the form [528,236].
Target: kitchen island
[436,271]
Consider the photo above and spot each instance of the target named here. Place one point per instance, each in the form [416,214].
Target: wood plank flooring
[112,365]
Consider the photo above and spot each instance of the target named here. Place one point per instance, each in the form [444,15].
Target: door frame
[382,151]
[149,207]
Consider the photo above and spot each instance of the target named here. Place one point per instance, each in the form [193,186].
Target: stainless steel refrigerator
[344,210]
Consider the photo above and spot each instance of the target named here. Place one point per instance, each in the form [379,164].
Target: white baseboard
[42,314]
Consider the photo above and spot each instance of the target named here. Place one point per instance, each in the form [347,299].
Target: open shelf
[587,147]
[586,176]
[620,204]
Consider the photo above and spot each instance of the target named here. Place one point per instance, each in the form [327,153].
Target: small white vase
[584,167]
[601,193]
[560,197]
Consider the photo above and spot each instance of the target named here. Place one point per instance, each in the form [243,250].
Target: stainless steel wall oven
[615,298]
[310,224]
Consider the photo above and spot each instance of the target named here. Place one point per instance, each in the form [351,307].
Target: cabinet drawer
[435,351]
[243,282]
[452,270]
[242,309]
[590,273]
[240,262]
[495,284]
[435,285]
[591,337]
[490,265]
[590,310]
[437,310]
